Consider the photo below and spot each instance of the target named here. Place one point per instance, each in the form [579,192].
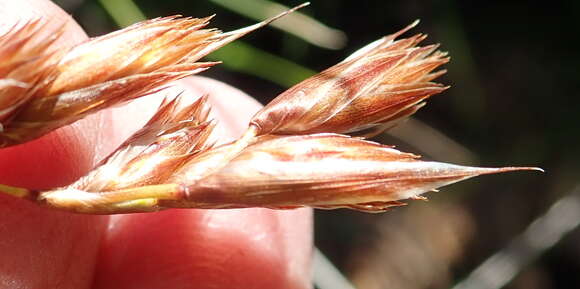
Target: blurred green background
[513,100]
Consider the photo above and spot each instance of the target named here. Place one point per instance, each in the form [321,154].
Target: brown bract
[100,73]
[326,171]
[172,136]
[25,62]
[323,171]
[42,88]
[366,94]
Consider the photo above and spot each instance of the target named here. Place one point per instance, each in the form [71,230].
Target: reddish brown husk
[323,171]
[365,94]
[64,85]
[42,88]
[25,61]
[152,154]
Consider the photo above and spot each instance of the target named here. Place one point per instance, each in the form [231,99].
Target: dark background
[513,101]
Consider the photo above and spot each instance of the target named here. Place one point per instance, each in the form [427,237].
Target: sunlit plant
[305,148]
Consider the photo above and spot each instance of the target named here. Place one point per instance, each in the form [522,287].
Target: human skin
[43,248]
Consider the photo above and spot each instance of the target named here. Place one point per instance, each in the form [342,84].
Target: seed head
[152,154]
[323,171]
[293,154]
[25,62]
[42,88]
[365,94]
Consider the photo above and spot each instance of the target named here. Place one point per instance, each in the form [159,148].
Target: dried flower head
[290,156]
[326,171]
[25,62]
[365,94]
[323,171]
[42,88]
[151,155]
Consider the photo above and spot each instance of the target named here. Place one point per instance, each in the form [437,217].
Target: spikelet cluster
[305,148]
[367,93]
[43,88]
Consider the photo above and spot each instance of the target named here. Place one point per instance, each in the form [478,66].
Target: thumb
[42,248]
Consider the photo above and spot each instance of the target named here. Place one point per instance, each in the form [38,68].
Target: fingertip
[18,12]
[249,248]
[231,106]
[62,156]
[42,248]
